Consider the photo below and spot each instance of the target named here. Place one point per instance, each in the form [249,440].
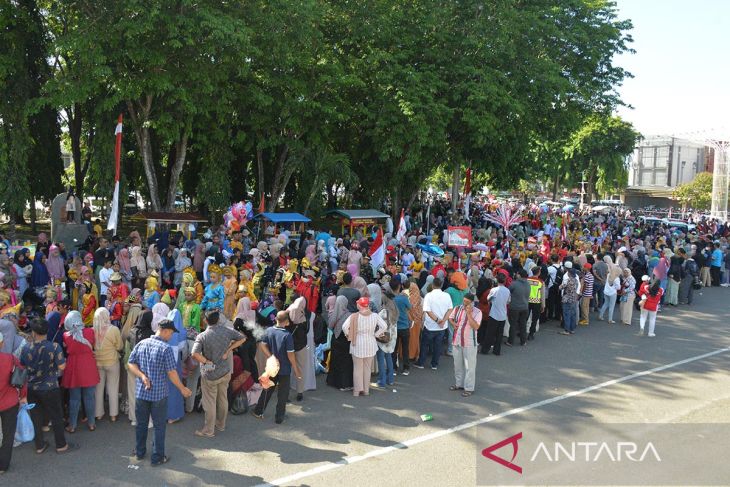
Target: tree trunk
[312,194]
[395,206]
[556,185]
[260,169]
[144,141]
[11,227]
[455,184]
[181,146]
[32,214]
[281,178]
[74,132]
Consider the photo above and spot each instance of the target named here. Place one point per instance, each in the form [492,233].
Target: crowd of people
[165,326]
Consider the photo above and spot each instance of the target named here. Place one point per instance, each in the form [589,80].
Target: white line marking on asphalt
[438,434]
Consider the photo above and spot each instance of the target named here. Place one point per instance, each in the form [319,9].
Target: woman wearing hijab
[199,260]
[376,297]
[55,265]
[154,261]
[159,313]
[178,342]
[610,291]
[299,327]
[245,369]
[22,267]
[80,375]
[483,288]
[628,289]
[12,342]
[39,276]
[416,317]
[362,328]
[109,343]
[141,331]
[340,362]
[138,265]
[125,267]
[182,262]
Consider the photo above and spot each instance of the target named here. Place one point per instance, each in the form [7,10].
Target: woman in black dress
[340,369]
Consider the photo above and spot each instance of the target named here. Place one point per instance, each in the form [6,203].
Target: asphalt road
[331,438]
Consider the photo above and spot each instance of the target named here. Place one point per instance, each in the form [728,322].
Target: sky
[681,67]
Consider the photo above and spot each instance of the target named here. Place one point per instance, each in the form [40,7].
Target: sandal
[70,430]
[42,450]
[466,393]
[69,448]
[92,427]
[456,388]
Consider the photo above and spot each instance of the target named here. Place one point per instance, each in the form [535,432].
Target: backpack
[690,267]
[560,272]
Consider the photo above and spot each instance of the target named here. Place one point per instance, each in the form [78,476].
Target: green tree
[696,194]
[599,150]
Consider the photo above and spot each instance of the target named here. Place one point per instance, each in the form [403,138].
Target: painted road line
[438,434]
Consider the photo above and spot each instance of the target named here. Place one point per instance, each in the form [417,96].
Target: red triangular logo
[487,452]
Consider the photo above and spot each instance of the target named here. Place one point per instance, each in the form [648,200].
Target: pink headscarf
[244,311]
[352,269]
[311,253]
[124,262]
[54,264]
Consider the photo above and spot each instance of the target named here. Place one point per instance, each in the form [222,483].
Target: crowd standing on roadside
[163,327]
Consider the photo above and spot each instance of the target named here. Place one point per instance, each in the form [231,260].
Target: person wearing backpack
[555,279]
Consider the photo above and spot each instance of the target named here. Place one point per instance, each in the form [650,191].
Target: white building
[666,162]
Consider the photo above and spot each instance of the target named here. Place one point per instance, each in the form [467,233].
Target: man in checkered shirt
[152,362]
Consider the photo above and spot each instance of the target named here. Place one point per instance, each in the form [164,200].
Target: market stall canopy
[283,217]
[359,214]
[169,217]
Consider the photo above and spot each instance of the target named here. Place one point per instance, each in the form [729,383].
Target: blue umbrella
[431,249]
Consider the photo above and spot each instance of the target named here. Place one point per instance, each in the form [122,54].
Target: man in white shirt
[437,308]
[407,259]
[105,279]
[499,298]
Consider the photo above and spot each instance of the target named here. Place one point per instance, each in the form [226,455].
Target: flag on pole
[401,235]
[377,251]
[670,212]
[114,215]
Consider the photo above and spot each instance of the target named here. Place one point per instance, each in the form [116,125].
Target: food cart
[294,222]
[354,219]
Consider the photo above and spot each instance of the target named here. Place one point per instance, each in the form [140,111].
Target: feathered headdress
[505,217]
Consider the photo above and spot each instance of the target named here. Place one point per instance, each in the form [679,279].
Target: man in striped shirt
[586,294]
[466,320]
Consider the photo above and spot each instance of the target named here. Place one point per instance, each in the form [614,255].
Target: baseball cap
[363,302]
[587,265]
[645,278]
[568,264]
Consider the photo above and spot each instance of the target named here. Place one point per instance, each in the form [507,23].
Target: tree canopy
[314,103]
[696,194]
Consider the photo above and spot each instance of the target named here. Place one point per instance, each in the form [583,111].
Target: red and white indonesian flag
[114,215]
[377,251]
[401,235]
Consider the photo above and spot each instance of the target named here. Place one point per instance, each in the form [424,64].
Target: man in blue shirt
[715,264]
[152,362]
[279,342]
[404,327]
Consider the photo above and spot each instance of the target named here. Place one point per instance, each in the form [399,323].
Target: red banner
[459,237]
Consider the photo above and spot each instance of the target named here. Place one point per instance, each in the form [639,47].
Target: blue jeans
[158,410]
[569,317]
[88,394]
[449,339]
[385,368]
[431,341]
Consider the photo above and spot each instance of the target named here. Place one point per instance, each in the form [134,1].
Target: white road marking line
[438,434]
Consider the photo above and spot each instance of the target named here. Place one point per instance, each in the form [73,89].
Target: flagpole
[114,215]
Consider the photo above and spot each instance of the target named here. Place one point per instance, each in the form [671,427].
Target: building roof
[359,214]
[170,217]
[283,217]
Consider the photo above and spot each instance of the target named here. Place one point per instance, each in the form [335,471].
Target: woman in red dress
[81,375]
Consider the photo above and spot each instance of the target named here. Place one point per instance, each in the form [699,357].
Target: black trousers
[553,305]
[48,405]
[9,417]
[518,325]
[715,275]
[282,385]
[482,331]
[493,336]
[403,338]
[535,311]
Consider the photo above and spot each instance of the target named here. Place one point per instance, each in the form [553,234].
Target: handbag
[18,377]
[240,404]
